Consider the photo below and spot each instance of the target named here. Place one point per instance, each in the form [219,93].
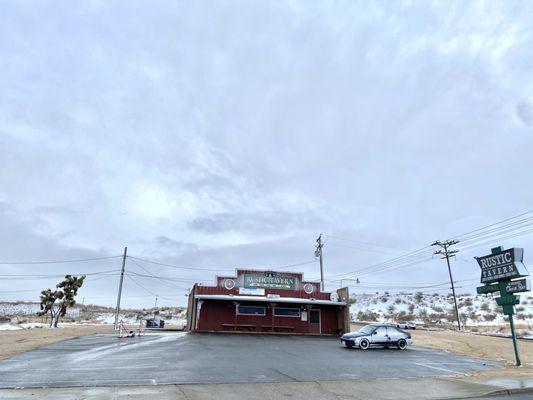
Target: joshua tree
[56,302]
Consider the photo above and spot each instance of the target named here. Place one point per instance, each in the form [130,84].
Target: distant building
[267,302]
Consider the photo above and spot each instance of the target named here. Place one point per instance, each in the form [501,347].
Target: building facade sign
[252,291]
[269,280]
[504,264]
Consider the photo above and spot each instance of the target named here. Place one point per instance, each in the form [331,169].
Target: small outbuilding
[259,301]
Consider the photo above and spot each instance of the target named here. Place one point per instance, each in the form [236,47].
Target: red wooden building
[267,302]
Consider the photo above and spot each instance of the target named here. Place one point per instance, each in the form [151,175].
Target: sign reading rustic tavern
[497,271]
[504,264]
[269,280]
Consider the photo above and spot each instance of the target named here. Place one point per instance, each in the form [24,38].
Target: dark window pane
[251,310]
[287,312]
[315,317]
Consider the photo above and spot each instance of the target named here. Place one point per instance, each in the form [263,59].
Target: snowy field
[436,309]
[23,315]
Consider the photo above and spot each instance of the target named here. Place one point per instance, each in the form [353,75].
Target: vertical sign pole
[515,344]
[117,311]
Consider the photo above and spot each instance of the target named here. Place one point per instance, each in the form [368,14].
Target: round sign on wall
[334,296]
[229,284]
[308,288]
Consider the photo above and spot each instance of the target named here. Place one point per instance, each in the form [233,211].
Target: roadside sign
[522,285]
[497,270]
[502,264]
[488,289]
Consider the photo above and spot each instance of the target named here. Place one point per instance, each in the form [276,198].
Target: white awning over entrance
[297,300]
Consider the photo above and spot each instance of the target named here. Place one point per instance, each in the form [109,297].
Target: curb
[494,393]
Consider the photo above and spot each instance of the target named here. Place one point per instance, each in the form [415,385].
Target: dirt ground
[21,340]
[490,348]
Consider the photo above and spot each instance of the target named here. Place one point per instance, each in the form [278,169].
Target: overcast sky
[230,134]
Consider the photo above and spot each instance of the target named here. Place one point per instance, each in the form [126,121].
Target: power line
[56,261]
[411,256]
[358,248]
[220,269]
[43,276]
[494,224]
[141,286]
[363,243]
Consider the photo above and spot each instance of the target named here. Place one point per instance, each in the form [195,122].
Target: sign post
[497,270]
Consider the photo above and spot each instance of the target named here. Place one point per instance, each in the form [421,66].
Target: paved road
[202,358]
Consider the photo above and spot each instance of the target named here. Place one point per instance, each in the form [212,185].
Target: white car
[406,325]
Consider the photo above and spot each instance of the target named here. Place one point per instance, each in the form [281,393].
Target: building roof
[268,299]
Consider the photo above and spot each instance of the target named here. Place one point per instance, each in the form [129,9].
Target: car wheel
[364,344]
[402,344]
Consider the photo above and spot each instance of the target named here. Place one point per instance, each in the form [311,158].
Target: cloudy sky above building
[215,135]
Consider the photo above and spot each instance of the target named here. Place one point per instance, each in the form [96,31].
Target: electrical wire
[363,243]
[57,261]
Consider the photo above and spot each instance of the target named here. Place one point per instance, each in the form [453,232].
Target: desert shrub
[490,317]
[367,316]
[402,315]
[398,301]
[391,309]
[384,299]
[484,306]
[411,308]
[467,303]
[438,309]
[520,309]
[418,297]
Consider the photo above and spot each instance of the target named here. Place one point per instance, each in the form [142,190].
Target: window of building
[287,312]
[251,310]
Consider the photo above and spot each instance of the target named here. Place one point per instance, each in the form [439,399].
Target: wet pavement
[179,358]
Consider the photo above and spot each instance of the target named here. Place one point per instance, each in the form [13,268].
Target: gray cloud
[233,133]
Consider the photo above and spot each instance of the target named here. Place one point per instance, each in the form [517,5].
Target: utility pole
[446,253]
[117,311]
[155,305]
[318,253]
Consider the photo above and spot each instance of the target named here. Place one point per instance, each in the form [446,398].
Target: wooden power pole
[318,253]
[117,311]
[446,253]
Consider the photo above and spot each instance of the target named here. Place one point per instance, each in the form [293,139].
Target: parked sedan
[377,335]
[406,325]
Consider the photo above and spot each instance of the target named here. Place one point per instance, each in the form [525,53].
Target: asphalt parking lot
[178,358]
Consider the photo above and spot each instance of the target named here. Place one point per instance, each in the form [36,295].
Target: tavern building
[267,302]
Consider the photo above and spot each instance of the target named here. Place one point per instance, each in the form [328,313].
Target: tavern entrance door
[314,321]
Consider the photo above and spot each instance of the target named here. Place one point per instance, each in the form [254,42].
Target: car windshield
[368,329]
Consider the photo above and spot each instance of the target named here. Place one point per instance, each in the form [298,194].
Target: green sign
[270,280]
[501,264]
[522,285]
[497,270]
[487,289]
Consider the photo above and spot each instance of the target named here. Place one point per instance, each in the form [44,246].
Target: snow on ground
[475,310]
[9,327]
